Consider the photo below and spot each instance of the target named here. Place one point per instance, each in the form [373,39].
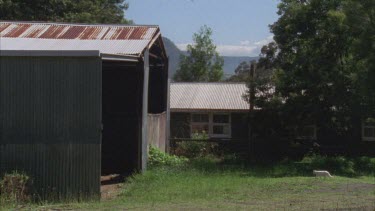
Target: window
[214,124]
[306,132]
[368,130]
[199,123]
[220,125]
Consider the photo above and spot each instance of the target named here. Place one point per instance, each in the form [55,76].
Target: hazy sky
[240,27]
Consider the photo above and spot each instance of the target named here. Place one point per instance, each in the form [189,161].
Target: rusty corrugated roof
[111,39]
[75,31]
[208,96]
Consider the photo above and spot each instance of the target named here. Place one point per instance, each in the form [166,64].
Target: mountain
[174,56]
[230,62]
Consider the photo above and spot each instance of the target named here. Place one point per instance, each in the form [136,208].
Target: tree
[202,62]
[241,73]
[319,66]
[83,11]
[360,17]
[265,65]
[263,80]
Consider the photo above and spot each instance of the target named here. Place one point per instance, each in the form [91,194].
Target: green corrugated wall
[50,123]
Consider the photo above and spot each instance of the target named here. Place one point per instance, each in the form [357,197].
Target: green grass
[206,185]
[194,189]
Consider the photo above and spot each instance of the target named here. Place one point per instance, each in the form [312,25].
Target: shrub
[159,158]
[195,149]
[199,136]
[336,165]
[15,187]
[365,165]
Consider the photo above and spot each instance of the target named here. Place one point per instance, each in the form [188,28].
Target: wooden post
[168,124]
[144,143]
[251,108]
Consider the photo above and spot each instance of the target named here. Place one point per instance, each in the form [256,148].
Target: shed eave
[50,53]
[188,110]
[116,57]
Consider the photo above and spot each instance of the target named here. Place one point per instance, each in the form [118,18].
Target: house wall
[50,120]
[180,125]
[240,128]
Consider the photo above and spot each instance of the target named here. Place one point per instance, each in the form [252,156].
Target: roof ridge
[78,24]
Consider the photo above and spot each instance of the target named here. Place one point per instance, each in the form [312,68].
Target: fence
[156,131]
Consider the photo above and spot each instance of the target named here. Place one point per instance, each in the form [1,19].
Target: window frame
[199,123]
[211,124]
[364,126]
[229,135]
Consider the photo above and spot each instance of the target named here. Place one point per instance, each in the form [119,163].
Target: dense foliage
[83,11]
[159,158]
[202,62]
[323,63]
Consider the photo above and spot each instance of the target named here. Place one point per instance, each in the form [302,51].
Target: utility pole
[251,108]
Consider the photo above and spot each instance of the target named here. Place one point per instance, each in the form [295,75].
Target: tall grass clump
[15,188]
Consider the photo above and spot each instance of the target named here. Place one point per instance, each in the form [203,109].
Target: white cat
[322,173]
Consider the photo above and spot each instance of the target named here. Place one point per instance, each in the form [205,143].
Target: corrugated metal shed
[55,78]
[208,96]
[123,47]
[50,109]
[111,39]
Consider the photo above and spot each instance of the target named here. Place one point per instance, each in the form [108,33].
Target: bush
[342,165]
[194,149]
[15,187]
[159,158]
[365,165]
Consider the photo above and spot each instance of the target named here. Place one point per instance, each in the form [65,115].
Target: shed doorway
[121,117]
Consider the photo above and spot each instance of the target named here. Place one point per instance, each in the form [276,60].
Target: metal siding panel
[4,26]
[50,110]
[54,179]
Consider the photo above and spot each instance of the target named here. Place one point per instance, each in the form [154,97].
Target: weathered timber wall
[156,130]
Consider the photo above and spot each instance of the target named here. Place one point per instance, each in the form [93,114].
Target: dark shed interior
[122,96]
[122,116]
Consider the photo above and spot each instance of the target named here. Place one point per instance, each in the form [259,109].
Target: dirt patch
[111,186]
[348,188]
[360,208]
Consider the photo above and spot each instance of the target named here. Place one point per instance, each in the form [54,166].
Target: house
[217,109]
[220,111]
[75,100]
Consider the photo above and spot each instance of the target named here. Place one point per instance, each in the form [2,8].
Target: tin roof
[111,39]
[207,96]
